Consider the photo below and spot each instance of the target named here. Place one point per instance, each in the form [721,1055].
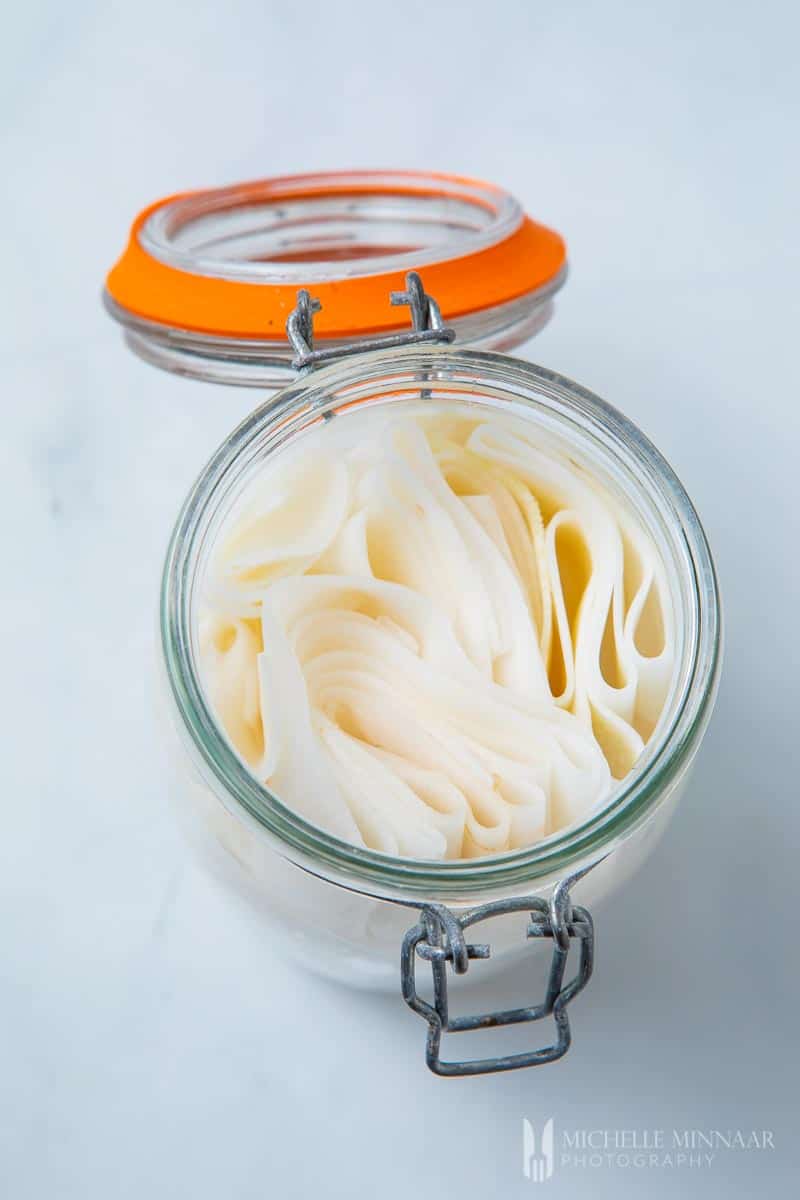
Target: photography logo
[537,1163]
[634,1148]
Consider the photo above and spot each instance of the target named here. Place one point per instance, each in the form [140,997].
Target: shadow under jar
[363,917]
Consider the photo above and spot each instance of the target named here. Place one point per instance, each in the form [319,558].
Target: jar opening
[598,438]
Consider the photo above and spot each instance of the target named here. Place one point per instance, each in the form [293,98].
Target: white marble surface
[152,1044]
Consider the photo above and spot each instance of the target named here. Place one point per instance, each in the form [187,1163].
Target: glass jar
[350,913]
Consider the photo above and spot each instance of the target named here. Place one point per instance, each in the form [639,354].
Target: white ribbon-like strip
[439,639]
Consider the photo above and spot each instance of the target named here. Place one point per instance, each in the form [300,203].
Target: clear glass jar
[352,932]
[339,909]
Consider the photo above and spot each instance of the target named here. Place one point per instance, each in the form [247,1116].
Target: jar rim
[610,437]
[470,215]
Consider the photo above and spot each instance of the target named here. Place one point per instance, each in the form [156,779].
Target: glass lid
[208,278]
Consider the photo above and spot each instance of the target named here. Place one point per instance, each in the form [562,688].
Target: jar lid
[209,278]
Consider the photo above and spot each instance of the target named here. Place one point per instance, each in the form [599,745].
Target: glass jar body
[342,911]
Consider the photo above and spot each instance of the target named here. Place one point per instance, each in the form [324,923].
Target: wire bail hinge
[439,939]
[426,320]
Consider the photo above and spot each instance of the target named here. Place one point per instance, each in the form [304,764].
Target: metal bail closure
[439,939]
[426,319]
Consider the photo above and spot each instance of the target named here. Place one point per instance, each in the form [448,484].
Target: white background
[154,1046]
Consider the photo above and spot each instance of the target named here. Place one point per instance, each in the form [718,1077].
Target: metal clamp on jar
[205,288]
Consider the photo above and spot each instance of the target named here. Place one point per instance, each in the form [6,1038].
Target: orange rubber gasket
[145,287]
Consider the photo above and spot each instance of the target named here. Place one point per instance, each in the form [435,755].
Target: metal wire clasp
[426,320]
[439,939]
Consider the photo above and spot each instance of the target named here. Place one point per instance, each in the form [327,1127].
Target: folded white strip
[434,637]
